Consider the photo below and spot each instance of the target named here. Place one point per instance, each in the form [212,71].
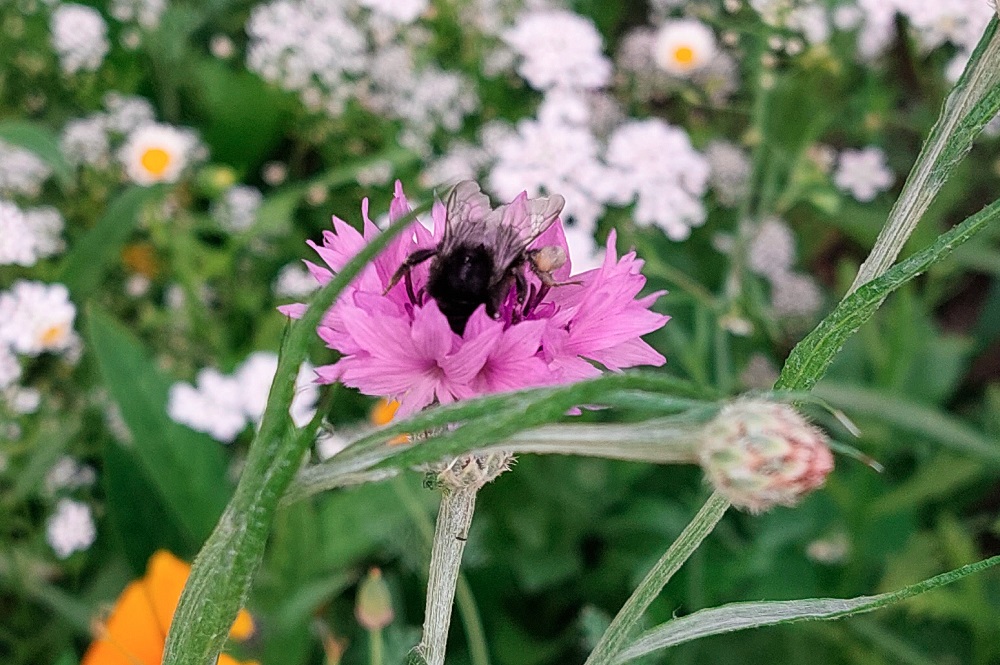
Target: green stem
[624,624]
[973,102]
[224,569]
[450,534]
[376,647]
[464,600]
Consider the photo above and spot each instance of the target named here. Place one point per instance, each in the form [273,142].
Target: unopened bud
[374,603]
[762,454]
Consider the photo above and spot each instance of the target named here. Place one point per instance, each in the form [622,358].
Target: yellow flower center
[684,55]
[52,335]
[155,161]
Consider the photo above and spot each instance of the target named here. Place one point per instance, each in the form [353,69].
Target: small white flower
[23,401]
[36,317]
[255,377]
[79,37]
[157,153]
[17,242]
[237,209]
[146,13]
[684,46]
[68,474]
[46,225]
[10,368]
[21,171]
[863,173]
[795,296]
[127,112]
[772,249]
[71,528]
[403,11]
[85,141]
[730,171]
[215,406]
[559,49]
[294,281]
[658,166]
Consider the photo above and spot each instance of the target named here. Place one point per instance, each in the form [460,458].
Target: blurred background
[162,164]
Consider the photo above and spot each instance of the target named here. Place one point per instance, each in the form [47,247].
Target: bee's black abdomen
[460,282]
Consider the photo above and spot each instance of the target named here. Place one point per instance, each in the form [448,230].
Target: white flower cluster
[36,318]
[771,254]
[331,52]
[28,235]
[221,405]
[729,167]
[149,152]
[71,528]
[294,281]
[147,13]
[68,474]
[863,173]
[79,37]
[809,19]
[558,49]
[236,210]
[932,23]
[655,163]
[21,171]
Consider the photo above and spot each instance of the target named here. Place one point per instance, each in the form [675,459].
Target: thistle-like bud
[373,607]
[761,454]
[471,471]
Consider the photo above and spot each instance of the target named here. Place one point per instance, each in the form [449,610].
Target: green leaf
[223,572]
[974,101]
[234,100]
[97,251]
[143,525]
[740,616]
[39,140]
[812,356]
[910,416]
[187,469]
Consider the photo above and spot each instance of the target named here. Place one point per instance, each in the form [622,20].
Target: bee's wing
[513,227]
[464,211]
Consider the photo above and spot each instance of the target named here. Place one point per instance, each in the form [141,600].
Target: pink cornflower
[399,345]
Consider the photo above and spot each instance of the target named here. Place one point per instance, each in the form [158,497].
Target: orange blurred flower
[135,632]
[382,414]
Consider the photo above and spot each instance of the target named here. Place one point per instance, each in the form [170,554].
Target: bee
[484,252]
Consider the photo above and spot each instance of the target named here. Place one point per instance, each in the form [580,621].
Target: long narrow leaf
[812,356]
[740,616]
[224,569]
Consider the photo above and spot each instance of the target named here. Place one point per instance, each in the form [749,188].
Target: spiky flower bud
[763,454]
[373,607]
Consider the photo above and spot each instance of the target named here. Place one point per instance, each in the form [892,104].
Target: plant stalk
[450,534]
[950,139]
[625,622]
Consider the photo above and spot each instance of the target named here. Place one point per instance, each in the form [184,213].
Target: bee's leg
[412,261]
[545,261]
[521,284]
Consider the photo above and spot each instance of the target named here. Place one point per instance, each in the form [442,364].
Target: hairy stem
[965,112]
[450,534]
[625,622]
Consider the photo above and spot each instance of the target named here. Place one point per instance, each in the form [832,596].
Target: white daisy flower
[37,317]
[71,528]
[684,46]
[156,153]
